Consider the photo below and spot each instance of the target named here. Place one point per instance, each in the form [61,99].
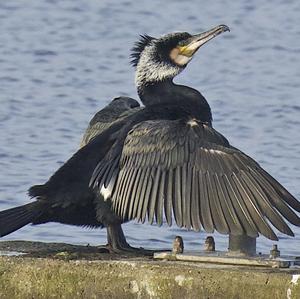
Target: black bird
[163,159]
[168,160]
[67,198]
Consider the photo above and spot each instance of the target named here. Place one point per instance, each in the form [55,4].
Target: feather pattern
[170,167]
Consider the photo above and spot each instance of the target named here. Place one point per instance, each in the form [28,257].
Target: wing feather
[154,196]
[284,194]
[188,197]
[195,205]
[160,199]
[134,195]
[184,198]
[193,174]
[124,189]
[275,198]
[143,195]
[229,213]
[117,203]
[177,197]
[205,208]
[264,204]
[128,194]
[240,206]
[169,195]
[262,225]
[217,213]
[139,195]
[149,185]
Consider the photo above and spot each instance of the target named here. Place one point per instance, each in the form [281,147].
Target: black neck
[178,96]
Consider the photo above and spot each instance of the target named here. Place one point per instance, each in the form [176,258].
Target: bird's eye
[182,43]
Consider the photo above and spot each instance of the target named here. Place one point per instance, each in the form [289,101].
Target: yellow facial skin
[186,50]
[178,57]
[181,55]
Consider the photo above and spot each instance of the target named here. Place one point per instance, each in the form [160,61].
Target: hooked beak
[196,41]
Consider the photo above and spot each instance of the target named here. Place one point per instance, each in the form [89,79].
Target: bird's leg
[116,238]
[116,242]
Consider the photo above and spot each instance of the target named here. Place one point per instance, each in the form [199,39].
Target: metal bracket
[242,244]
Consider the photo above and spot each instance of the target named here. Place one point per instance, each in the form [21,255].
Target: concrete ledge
[133,277]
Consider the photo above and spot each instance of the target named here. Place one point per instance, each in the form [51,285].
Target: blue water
[61,61]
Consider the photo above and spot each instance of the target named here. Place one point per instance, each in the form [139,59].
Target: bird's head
[159,59]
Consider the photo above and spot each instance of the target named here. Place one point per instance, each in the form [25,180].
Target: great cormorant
[168,160]
[165,159]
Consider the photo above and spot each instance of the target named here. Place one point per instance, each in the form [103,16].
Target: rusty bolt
[274,252]
[209,244]
[178,245]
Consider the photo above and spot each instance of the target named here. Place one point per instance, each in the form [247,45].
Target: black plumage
[66,196]
[230,192]
[116,110]
[172,162]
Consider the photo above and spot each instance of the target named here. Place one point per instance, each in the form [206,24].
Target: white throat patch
[149,70]
[178,58]
[182,59]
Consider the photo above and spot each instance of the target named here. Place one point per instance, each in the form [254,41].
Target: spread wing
[190,171]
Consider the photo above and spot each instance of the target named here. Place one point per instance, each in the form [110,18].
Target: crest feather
[138,48]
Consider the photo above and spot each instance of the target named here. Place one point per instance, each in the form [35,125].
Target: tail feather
[15,218]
